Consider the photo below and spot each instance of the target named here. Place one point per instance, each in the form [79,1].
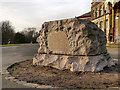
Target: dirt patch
[42,75]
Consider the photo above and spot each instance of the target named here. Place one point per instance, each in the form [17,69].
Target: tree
[19,38]
[35,36]
[7,32]
[30,34]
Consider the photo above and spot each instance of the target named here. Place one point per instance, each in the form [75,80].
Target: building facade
[106,14]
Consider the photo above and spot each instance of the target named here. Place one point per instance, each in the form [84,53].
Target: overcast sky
[32,13]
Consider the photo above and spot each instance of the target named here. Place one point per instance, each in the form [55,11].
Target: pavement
[12,54]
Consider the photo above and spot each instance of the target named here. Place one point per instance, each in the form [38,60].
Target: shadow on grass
[11,45]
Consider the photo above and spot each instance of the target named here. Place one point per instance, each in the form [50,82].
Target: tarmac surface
[12,54]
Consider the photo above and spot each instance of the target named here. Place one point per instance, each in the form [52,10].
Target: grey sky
[32,13]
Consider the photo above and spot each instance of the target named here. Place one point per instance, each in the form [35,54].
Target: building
[86,16]
[106,14]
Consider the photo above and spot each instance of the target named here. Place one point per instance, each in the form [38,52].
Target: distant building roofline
[88,14]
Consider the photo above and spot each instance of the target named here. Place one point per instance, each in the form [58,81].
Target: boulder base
[74,63]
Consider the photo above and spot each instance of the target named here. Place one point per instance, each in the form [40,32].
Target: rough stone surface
[75,44]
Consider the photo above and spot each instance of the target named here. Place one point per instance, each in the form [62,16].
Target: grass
[11,45]
[14,68]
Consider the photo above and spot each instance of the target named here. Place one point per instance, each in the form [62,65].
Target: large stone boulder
[74,44]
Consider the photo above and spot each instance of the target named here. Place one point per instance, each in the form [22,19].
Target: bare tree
[31,34]
[7,31]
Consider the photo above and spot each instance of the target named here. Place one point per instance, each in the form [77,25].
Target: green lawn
[11,44]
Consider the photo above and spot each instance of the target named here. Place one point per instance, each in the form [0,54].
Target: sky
[33,13]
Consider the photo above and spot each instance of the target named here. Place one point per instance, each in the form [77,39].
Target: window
[107,9]
[93,14]
[97,12]
[101,10]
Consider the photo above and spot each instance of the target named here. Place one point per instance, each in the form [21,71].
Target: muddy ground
[42,75]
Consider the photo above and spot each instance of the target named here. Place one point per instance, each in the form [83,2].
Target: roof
[85,15]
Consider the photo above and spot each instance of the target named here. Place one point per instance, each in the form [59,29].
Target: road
[12,54]
[115,52]
[15,53]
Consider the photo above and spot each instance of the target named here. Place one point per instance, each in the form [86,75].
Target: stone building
[106,14]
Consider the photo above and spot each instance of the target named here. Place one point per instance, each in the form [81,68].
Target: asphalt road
[12,54]
[15,53]
[115,52]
